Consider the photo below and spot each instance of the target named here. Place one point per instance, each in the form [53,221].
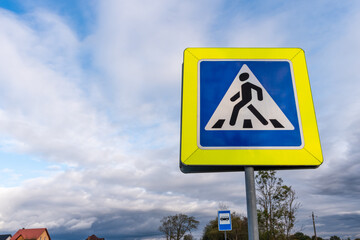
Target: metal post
[225,235]
[313,218]
[253,229]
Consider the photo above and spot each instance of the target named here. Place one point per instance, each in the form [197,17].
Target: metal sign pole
[225,235]
[253,229]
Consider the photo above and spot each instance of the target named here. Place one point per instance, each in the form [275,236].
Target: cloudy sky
[90,97]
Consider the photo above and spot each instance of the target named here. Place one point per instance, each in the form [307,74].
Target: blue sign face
[248,104]
[224,220]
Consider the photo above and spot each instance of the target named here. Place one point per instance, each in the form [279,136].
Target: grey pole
[314,225]
[253,228]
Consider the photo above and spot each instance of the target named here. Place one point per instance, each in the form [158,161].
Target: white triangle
[246,119]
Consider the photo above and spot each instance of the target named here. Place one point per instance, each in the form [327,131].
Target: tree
[277,206]
[175,227]
[238,232]
[317,238]
[188,237]
[289,209]
[335,238]
[300,236]
[211,231]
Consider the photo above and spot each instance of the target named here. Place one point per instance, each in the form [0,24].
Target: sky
[90,101]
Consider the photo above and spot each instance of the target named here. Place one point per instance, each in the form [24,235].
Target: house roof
[4,236]
[93,237]
[33,233]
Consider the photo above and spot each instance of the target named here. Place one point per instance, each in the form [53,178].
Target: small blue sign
[224,220]
[248,104]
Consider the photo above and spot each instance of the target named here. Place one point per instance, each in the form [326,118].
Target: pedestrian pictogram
[248,106]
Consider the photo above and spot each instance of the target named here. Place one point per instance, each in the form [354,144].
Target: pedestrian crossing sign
[247,116]
[247,107]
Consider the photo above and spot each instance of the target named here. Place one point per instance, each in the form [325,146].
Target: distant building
[32,234]
[5,237]
[93,237]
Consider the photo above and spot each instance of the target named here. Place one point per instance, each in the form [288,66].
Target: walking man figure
[245,99]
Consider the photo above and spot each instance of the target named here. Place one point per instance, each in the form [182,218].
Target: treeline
[276,206]
[239,229]
[240,232]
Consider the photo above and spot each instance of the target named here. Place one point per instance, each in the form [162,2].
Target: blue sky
[90,96]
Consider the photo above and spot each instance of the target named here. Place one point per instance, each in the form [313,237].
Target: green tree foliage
[175,227]
[211,231]
[277,206]
[335,238]
[188,237]
[300,236]
[238,232]
[289,209]
[317,238]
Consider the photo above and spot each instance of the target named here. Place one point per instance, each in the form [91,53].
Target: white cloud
[139,47]
[75,200]
[47,112]
[43,108]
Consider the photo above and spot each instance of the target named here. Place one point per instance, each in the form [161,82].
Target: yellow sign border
[194,159]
